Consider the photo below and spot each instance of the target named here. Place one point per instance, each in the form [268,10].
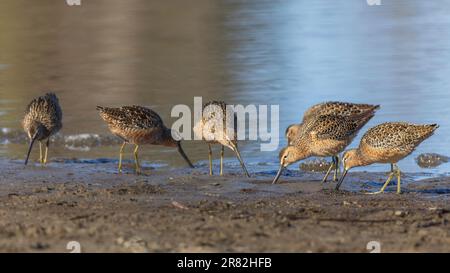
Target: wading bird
[386,143]
[324,136]
[336,108]
[139,125]
[216,128]
[43,118]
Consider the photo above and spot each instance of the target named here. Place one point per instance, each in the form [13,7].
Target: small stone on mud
[134,244]
[40,246]
[120,240]
[400,213]
[247,190]
[179,205]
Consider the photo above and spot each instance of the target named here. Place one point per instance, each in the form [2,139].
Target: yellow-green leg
[328,172]
[222,151]
[210,159]
[391,175]
[399,191]
[46,152]
[238,155]
[336,168]
[121,156]
[338,162]
[40,153]
[136,160]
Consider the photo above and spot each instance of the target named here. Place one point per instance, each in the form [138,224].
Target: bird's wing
[132,116]
[397,135]
[334,127]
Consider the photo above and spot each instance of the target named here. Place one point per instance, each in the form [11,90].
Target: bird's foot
[373,193]
[141,172]
[335,178]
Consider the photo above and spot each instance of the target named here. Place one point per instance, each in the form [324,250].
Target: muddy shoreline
[181,210]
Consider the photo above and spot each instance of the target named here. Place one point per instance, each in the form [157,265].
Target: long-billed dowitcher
[139,125]
[216,128]
[329,108]
[323,136]
[386,143]
[43,118]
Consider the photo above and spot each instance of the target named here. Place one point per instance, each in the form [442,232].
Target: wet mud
[182,210]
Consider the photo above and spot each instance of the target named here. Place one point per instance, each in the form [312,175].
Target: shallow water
[161,53]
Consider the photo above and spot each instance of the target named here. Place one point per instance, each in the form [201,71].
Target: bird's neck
[37,129]
[167,139]
[301,152]
[362,160]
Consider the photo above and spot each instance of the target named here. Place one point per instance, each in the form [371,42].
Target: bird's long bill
[180,150]
[242,162]
[29,148]
[280,171]
[341,180]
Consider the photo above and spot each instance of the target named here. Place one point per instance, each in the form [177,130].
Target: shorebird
[323,136]
[139,125]
[336,108]
[216,128]
[387,143]
[344,109]
[43,118]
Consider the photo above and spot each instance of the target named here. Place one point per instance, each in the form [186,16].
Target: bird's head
[36,130]
[290,154]
[292,131]
[351,159]
[172,138]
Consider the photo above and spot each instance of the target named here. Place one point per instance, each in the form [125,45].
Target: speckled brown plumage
[216,127]
[339,109]
[323,136]
[329,135]
[336,108]
[215,115]
[136,125]
[43,118]
[387,143]
[131,116]
[399,136]
[139,125]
